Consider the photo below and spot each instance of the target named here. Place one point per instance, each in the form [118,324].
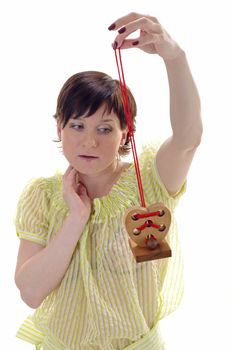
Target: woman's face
[91,144]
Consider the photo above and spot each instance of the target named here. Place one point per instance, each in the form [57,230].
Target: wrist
[179,56]
[75,218]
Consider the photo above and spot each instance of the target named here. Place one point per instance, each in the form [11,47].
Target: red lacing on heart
[148,215]
[148,223]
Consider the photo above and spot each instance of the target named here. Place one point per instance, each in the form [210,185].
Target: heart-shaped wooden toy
[147,227]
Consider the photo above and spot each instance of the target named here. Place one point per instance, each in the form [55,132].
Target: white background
[42,44]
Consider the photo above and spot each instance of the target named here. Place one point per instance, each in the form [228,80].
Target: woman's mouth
[83,156]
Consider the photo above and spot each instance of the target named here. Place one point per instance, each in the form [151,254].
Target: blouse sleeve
[32,213]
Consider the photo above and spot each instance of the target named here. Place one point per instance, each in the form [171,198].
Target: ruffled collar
[124,193]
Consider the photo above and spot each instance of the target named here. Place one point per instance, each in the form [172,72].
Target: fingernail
[112,26]
[115,45]
[135,42]
[122,30]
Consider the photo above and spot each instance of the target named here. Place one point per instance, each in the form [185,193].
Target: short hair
[85,92]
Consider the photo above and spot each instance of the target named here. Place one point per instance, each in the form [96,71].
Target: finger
[68,170]
[82,191]
[140,41]
[144,24]
[71,178]
[122,21]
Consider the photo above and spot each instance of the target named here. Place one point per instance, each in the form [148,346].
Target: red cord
[129,122]
[147,224]
[147,215]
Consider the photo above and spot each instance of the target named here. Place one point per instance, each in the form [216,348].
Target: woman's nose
[90,141]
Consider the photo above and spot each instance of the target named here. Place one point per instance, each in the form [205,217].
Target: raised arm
[176,153]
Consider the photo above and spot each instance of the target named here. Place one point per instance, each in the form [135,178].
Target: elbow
[28,295]
[30,300]
[197,139]
[195,135]
[198,133]
[191,139]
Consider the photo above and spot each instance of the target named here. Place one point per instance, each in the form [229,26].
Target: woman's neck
[99,185]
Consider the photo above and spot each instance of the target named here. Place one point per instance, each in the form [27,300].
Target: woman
[74,264]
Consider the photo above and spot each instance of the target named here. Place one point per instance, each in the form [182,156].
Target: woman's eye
[77,126]
[105,130]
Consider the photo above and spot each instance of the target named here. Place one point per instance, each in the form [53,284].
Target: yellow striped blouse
[106,301]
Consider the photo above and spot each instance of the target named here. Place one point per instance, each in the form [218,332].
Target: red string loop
[146,215]
[126,106]
[147,224]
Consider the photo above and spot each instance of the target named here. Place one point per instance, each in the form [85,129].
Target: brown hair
[85,92]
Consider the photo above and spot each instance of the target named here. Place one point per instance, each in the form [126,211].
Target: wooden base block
[145,254]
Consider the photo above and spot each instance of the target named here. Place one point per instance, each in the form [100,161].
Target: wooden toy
[147,228]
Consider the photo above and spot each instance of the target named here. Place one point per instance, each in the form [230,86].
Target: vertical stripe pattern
[106,301]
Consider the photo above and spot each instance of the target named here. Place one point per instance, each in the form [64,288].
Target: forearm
[185,108]
[43,272]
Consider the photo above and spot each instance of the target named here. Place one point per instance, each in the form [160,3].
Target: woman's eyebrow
[108,120]
[75,118]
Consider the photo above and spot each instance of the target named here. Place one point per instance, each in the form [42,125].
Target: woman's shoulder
[43,185]
[149,150]
[147,155]
[53,182]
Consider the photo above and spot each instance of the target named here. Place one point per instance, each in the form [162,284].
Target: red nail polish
[115,45]
[112,26]
[122,30]
[135,42]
